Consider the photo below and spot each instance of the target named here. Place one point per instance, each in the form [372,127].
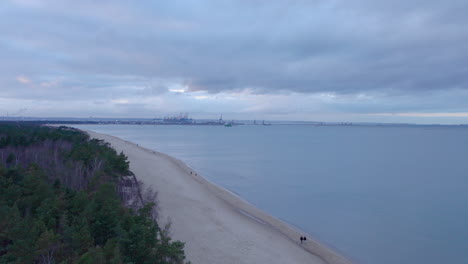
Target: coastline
[217,225]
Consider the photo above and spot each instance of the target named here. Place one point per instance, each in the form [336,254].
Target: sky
[312,60]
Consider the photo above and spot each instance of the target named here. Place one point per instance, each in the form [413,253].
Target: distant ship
[263,123]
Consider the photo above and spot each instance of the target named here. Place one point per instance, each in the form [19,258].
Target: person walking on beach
[302,239]
[305,238]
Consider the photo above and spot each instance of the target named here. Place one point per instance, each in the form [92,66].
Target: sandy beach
[216,225]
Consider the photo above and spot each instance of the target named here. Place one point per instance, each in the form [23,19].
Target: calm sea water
[379,195]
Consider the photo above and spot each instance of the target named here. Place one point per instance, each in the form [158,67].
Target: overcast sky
[330,60]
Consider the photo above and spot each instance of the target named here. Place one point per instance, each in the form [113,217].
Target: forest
[66,198]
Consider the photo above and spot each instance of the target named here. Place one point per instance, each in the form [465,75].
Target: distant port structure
[181,118]
[185,119]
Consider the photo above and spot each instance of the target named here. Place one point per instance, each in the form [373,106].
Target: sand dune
[216,225]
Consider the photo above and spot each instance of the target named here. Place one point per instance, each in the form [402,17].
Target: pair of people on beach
[303,239]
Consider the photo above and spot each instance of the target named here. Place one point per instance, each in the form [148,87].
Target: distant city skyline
[328,61]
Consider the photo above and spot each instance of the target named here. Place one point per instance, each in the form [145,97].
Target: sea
[375,194]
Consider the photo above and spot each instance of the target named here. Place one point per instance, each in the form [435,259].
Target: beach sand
[216,225]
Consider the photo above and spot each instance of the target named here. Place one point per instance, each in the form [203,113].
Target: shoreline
[217,207]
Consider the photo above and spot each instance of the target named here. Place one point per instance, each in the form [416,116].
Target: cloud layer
[332,57]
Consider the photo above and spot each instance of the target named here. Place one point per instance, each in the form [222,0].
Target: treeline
[65,153]
[67,199]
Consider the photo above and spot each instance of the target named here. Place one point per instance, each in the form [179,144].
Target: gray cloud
[399,52]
